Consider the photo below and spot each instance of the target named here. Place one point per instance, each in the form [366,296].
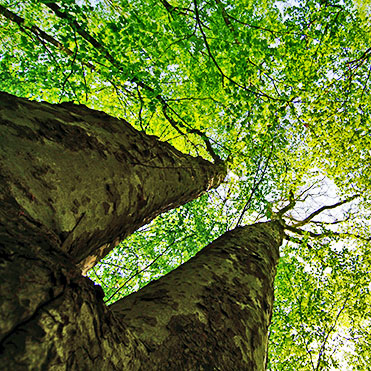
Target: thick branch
[91,178]
[291,205]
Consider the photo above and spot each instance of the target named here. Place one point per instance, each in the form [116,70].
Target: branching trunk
[212,313]
[90,178]
[73,180]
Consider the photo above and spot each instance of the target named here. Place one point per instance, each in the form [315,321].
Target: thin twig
[146,267]
[96,44]
[255,187]
[329,332]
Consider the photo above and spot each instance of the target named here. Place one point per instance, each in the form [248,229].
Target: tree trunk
[72,181]
[212,313]
[90,178]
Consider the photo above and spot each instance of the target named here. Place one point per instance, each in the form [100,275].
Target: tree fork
[213,312]
[90,178]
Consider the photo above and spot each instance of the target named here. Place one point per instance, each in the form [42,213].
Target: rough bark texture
[73,180]
[51,317]
[212,313]
[90,178]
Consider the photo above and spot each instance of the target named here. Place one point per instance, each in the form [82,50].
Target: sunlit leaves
[322,293]
[281,90]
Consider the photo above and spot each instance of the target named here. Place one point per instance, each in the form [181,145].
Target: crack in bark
[18,326]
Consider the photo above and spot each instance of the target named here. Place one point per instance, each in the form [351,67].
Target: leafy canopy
[279,90]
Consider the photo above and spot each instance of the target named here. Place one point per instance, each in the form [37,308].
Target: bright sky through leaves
[280,91]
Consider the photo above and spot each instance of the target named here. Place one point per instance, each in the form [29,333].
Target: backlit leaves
[281,92]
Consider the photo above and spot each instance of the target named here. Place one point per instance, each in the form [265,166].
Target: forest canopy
[277,90]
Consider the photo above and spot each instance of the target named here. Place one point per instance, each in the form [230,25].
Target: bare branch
[323,208]
[291,204]
[330,223]
[361,58]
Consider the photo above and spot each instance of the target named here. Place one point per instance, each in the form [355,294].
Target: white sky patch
[173,67]
[322,192]
[331,75]
[276,43]
[283,5]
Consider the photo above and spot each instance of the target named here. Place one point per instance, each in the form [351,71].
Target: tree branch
[38,33]
[292,203]
[227,21]
[323,346]
[198,20]
[96,44]
[255,187]
[325,234]
[323,208]
[35,30]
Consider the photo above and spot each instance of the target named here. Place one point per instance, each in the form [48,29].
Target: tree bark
[212,313]
[72,181]
[90,178]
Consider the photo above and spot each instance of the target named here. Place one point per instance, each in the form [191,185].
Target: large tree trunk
[212,313]
[73,180]
[90,178]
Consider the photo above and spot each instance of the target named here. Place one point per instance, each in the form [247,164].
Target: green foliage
[322,298]
[281,92]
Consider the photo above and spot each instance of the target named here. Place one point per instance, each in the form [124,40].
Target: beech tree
[52,316]
[267,100]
